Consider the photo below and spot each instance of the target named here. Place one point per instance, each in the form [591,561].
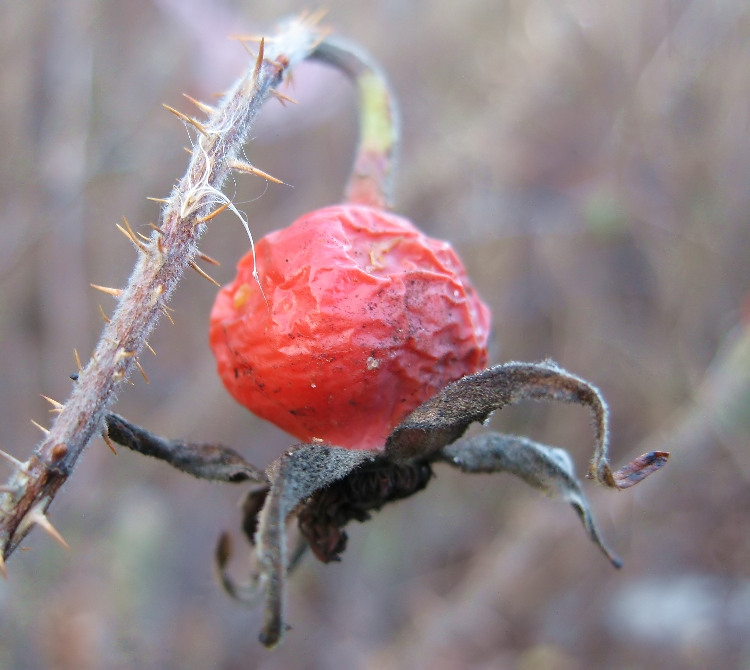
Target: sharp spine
[56,405]
[116,292]
[128,232]
[206,109]
[40,427]
[13,461]
[203,273]
[184,117]
[40,519]
[108,441]
[240,166]
[216,212]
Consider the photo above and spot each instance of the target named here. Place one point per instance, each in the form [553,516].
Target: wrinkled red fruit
[361,318]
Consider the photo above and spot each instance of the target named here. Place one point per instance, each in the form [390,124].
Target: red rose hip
[360,319]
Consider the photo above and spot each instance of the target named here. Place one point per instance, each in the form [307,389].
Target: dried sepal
[205,461]
[249,592]
[294,476]
[252,504]
[367,488]
[639,468]
[548,469]
[444,418]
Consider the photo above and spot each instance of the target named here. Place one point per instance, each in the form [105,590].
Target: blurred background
[591,164]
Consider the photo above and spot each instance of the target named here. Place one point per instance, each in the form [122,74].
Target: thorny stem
[30,490]
[371,179]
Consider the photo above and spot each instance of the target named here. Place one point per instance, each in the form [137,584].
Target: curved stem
[371,179]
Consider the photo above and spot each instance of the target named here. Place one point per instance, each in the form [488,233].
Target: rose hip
[357,318]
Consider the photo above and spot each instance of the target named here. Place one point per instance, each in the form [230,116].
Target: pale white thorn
[40,519]
[115,292]
[40,426]
[19,465]
[52,401]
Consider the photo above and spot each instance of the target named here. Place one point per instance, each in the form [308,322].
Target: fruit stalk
[372,175]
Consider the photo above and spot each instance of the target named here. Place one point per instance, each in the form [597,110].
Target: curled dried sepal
[549,469]
[443,419]
[204,461]
[639,468]
[249,592]
[326,486]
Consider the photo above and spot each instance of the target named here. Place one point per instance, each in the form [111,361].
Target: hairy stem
[170,250]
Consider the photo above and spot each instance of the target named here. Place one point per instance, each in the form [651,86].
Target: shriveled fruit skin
[360,319]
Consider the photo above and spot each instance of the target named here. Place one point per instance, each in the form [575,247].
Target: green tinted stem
[371,178]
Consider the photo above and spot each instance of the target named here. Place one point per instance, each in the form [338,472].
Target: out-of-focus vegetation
[591,163]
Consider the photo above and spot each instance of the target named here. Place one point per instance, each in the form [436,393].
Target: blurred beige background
[590,162]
